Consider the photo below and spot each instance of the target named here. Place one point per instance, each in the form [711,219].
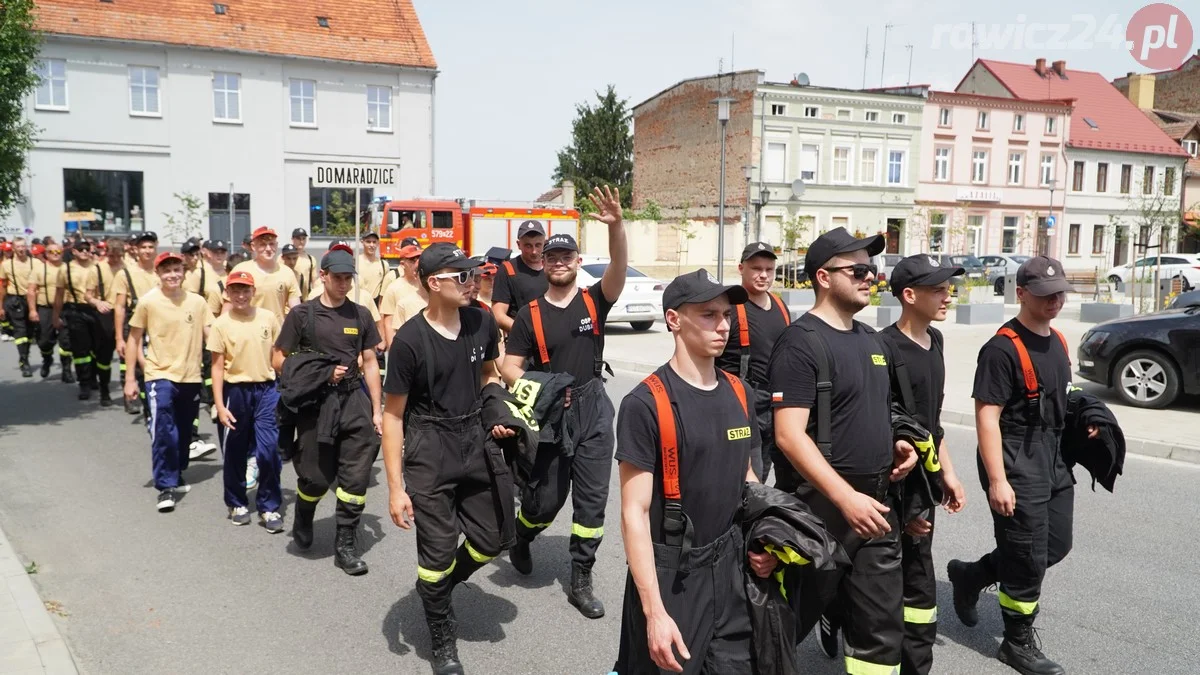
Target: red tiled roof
[1018,103]
[364,31]
[1121,126]
[549,195]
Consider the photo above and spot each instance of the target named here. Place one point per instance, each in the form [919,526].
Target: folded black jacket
[500,407]
[304,389]
[543,396]
[777,521]
[1103,456]
[923,488]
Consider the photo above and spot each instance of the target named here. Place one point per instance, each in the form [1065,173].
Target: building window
[812,111]
[1192,147]
[143,91]
[52,84]
[1169,181]
[937,232]
[895,167]
[379,108]
[778,110]
[845,114]
[1073,239]
[331,210]
[1077,177]
[1148,180]
[227,105]
[776,162]
[1008,241]
[974,233]
[981,121]
[979,166]
[941,164]
[871,116]
[304,102]
[899,118]
[944,117]
[869,167]
[1126,178]
[1102,177]
[1051,126]
[114,196]
[839,221]
[1047,170]
[1019,123]
[810,158]
[842,170]
[1097,239]
[1016,161]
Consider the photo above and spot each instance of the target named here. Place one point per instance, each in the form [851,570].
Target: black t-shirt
[569,337]
[519,290]
[343,332]
[999,380]
[712,467]
[765,327]
[926,373]
[861,424]
[457,364]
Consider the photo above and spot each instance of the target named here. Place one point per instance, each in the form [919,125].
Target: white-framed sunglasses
[461,277]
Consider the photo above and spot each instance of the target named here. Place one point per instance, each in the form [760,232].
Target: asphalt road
[187,592]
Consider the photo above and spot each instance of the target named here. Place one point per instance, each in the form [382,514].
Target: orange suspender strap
[1031,381]
[591,308]
[668,442]
[739,390]
[787,318]
[508,267]
[539,335]
[743,328]
[1063,339]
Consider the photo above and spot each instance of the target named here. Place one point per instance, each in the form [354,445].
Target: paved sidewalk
[1168,433]
[29,640]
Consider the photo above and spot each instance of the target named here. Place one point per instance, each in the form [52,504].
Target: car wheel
[641,325]
[1000,286]
[1147,379]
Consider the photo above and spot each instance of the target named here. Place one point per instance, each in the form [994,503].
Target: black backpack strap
[100,280]
[132,290]
[310,327]
[427,347]
[71,284]
[824,403]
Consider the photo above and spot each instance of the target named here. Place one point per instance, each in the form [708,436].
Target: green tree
[188,219]
[601,149]
[18,50]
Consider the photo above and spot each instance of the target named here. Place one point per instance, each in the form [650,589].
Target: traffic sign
[353,175]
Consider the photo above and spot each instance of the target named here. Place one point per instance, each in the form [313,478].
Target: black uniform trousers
[704,592]
[105,345]
[868,600]
[346,461]
[138,374]
[582,469]
[48,335]
[451,480]
[920,601]
[765,413]
[1038,534]
[83,325]
[16,309]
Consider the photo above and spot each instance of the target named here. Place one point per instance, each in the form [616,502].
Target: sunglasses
[859,270]
[461,277]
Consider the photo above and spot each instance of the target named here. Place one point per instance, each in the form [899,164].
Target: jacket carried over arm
[1104,455]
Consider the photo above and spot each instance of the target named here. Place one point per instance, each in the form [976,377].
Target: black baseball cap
[139,237]
[1042,276]
[920,270]
[530,227]
[82,245]
[699,286]
[368,234]
[410,241]
[337,262]
[247,239]
[496,254]
[758,248]
[560,242]
[37,241]
[835,242]
[442,256]
[299,232]
[339,242]
[216,245]
[288,249]
[190,247]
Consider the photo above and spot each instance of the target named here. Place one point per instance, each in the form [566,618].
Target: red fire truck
[474,225]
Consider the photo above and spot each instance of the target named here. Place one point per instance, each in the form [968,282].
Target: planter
[886,299]
[1095,312]
[798,297]
[886,315]
[978,315]
[981,295]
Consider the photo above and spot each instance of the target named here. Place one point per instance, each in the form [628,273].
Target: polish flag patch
[777,397]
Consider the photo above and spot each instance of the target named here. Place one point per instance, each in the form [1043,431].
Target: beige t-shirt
[16,273]
[246,344]
[143,283]
[78,280]
[45,277]
[306,273]
[102,273]
[273,291]
[408,307]
[370,275]
[400,289]
[174,335]
[209,290]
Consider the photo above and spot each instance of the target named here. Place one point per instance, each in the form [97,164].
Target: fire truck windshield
[401,220]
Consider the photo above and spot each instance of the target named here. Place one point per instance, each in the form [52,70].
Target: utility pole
[866,55]
[909,47]
[883,57]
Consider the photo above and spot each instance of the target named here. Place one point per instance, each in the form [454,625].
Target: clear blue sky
[512,72]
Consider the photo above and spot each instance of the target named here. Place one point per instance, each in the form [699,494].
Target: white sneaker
[199,449]
[5,337]
[239,515]
[252,473]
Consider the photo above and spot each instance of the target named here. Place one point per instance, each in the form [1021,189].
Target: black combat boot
[68,375]
[1020,650]
[520,557]
[968,579]
[443,633]
[45,366]
[345,552]
[302,524]
[580,594]
[26,370]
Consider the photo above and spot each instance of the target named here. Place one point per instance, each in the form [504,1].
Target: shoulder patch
[350,330]
[878,359]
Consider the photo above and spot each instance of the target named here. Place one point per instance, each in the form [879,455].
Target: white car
[640,303]
[1185,265]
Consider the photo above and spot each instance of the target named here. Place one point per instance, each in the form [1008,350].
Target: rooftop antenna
[909,47]
[866,54]
[883,57]
[732,46]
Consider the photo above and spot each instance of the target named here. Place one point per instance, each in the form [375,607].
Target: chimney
[568,194]
[1040,67]
[1141,91]
[1060,67]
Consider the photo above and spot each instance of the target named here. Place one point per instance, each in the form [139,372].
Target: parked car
[1000,266]
[886,263]
[640,303]
[1149,359]
[1185,265]
[791,271]
[1188,299]
[973,266]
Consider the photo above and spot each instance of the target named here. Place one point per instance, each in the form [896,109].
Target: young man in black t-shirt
[833,431]
[751,341]
[1030,488]
[334,326]
[563,332]
[439,473]
[521,279]
[685,440]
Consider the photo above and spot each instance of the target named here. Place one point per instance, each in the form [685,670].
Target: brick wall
[1174,90]
[677,147]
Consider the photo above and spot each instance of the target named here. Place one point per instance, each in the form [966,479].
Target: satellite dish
[802,79]
[797,189]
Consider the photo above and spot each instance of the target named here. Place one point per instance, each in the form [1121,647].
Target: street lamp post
[723,118]
[764,198]
[749,169]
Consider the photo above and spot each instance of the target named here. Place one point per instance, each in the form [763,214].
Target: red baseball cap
[37,249]
[410,252]
[263,232]
[6,246]
[243,278]
[166,256]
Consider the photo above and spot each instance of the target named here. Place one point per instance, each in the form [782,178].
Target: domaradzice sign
[349,176]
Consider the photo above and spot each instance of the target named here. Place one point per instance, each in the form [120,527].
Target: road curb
[38,645]
[1136,446]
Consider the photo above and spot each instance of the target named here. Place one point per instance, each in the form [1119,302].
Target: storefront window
[102,201]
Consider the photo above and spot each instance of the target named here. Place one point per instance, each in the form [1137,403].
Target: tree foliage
[18,51]
[601,149]
[188,220]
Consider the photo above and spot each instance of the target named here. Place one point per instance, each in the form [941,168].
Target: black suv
[1149,359]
